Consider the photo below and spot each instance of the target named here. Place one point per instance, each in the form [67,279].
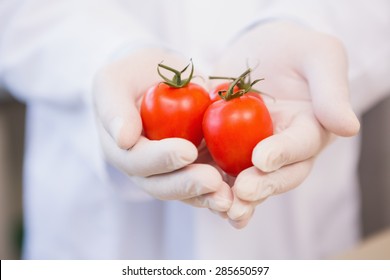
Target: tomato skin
[214,96]
[233,128]
[174,112]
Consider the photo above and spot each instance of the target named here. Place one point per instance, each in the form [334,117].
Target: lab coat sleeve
[50,50]
[362,26]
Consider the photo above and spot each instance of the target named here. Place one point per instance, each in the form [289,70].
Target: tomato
[233,126]
[174,110]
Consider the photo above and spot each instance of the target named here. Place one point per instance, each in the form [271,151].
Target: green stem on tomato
[243,82]
[176,81]
[230,93]
[221,78]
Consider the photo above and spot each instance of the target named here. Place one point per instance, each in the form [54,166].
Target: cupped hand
[306,73]
[165,168]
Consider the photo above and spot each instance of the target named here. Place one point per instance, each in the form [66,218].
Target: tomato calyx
[243,82]
[177,81]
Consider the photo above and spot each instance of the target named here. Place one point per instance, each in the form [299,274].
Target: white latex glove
[306,71]
[164,168]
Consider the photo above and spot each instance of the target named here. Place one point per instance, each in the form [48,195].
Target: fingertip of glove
[124,134]
[179,152]
[207,178]
[188,152]
[349,125]
[338,119]
[221,204]
[267,158]
[224,197]
[239,224]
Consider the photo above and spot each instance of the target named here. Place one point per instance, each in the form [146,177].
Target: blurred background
[374,172]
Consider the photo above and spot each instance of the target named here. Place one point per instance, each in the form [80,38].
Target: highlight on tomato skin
[174,107]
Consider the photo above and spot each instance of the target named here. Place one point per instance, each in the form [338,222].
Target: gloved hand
[165,169]
[306,72]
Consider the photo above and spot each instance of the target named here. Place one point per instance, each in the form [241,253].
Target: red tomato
[232,128]
[174,112]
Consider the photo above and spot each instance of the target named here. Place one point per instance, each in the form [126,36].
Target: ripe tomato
[174,110]
[233,128]
[234,125]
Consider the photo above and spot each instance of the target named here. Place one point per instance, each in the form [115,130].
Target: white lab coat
[78,207]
